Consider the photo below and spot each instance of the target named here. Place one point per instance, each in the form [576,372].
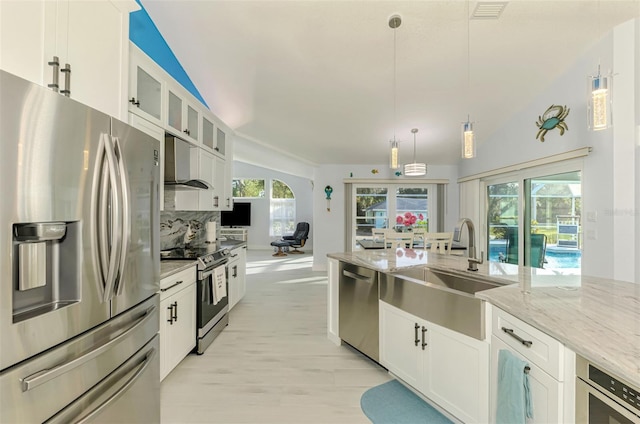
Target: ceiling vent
[488,10]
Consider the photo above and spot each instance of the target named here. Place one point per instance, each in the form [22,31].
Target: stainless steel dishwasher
[358,308]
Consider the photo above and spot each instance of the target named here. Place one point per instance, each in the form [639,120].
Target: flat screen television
[240,216]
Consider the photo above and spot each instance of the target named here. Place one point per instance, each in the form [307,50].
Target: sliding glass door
[503,221]
[371,210]
[386,206]
[533,218]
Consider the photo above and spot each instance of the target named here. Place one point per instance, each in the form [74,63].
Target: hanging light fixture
[599,109]
[394,23]
[468,138]
[415,169]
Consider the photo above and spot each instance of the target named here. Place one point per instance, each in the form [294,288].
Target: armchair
[297,240]
[299,237]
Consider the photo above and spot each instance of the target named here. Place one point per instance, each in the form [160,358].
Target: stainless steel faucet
[473,261]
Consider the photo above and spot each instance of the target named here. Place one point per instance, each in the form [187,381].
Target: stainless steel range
[212,303]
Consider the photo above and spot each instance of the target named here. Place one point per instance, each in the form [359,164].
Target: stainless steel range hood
[177,165]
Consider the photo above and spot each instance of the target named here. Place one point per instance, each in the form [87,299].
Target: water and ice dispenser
[46,271]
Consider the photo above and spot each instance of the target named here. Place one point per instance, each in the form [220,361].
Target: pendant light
[415,169]
[468,138]
[394,22]
[599,108]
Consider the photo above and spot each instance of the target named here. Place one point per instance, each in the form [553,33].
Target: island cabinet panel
[457,373]
[546,392]
[448,368]
[332,304]
[551,368]
[400,343]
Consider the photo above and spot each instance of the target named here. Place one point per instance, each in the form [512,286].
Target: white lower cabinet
[450,369]
[177,318]
[237,273]
[551,368]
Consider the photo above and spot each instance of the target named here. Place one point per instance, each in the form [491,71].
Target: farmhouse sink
[458,282]
[443,298]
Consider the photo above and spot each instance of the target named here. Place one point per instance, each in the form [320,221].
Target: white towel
[219,284]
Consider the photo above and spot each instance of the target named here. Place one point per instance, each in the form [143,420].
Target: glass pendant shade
[468,141]
[599,110]
[393,164]
[415,169]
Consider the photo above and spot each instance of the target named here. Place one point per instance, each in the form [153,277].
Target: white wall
[258,232]
[610,171]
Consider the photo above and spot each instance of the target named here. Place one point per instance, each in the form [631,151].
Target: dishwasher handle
[358,276]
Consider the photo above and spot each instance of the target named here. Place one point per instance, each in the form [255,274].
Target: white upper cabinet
[183,116]
[158,98]
[146,87]
[89,39]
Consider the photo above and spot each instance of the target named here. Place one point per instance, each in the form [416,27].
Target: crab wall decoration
[552,118]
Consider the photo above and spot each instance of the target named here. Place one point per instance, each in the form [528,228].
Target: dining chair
[418,237]
[393,240]
[378,234]
[439,242]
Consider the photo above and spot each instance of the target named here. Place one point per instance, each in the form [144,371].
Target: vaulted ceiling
[315,78]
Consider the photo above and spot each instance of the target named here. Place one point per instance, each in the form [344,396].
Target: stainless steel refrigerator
[79,262]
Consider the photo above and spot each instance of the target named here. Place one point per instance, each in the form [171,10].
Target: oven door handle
[206,274]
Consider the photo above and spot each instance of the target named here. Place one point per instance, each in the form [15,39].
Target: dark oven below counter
[212,305]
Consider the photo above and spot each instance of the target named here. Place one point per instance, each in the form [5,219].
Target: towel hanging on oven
[219,284]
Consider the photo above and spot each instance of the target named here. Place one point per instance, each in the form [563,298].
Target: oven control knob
[226,252]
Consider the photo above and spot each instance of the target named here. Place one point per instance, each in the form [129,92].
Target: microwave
[603,398]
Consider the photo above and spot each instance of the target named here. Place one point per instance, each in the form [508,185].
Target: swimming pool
[555,257]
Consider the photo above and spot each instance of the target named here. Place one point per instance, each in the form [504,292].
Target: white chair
[378,234]
[439,242]
[393,239]
[418,236]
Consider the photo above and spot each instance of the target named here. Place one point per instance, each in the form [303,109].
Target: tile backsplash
[176,227]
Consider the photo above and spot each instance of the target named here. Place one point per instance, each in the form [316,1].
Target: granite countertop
[596,318]
[168,268]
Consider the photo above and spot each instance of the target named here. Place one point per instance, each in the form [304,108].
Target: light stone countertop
[170,267]
[596,318]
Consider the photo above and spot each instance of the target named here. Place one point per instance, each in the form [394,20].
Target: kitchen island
[595,318]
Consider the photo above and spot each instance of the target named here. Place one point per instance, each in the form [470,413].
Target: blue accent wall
[144,34]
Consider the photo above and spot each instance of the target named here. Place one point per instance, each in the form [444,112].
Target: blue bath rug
[392,403]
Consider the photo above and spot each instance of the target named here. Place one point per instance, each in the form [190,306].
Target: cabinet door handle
[67,80]
[170,308]
[424,330]
[187,132]
[415,329]
[135,102]
[510,332]
[235,270]
[172,286]
[55,63]
[175,311]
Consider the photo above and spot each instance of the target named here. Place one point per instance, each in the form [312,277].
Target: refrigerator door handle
[88,417]
[116,220]
[34,380]
[125,212]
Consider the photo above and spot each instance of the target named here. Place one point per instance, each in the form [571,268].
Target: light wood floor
[273,363]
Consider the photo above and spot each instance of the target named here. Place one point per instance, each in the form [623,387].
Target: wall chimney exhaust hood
[177,165]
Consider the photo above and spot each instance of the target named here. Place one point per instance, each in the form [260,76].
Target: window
[282,210]
[247,188]
[380,206]
[533,218]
